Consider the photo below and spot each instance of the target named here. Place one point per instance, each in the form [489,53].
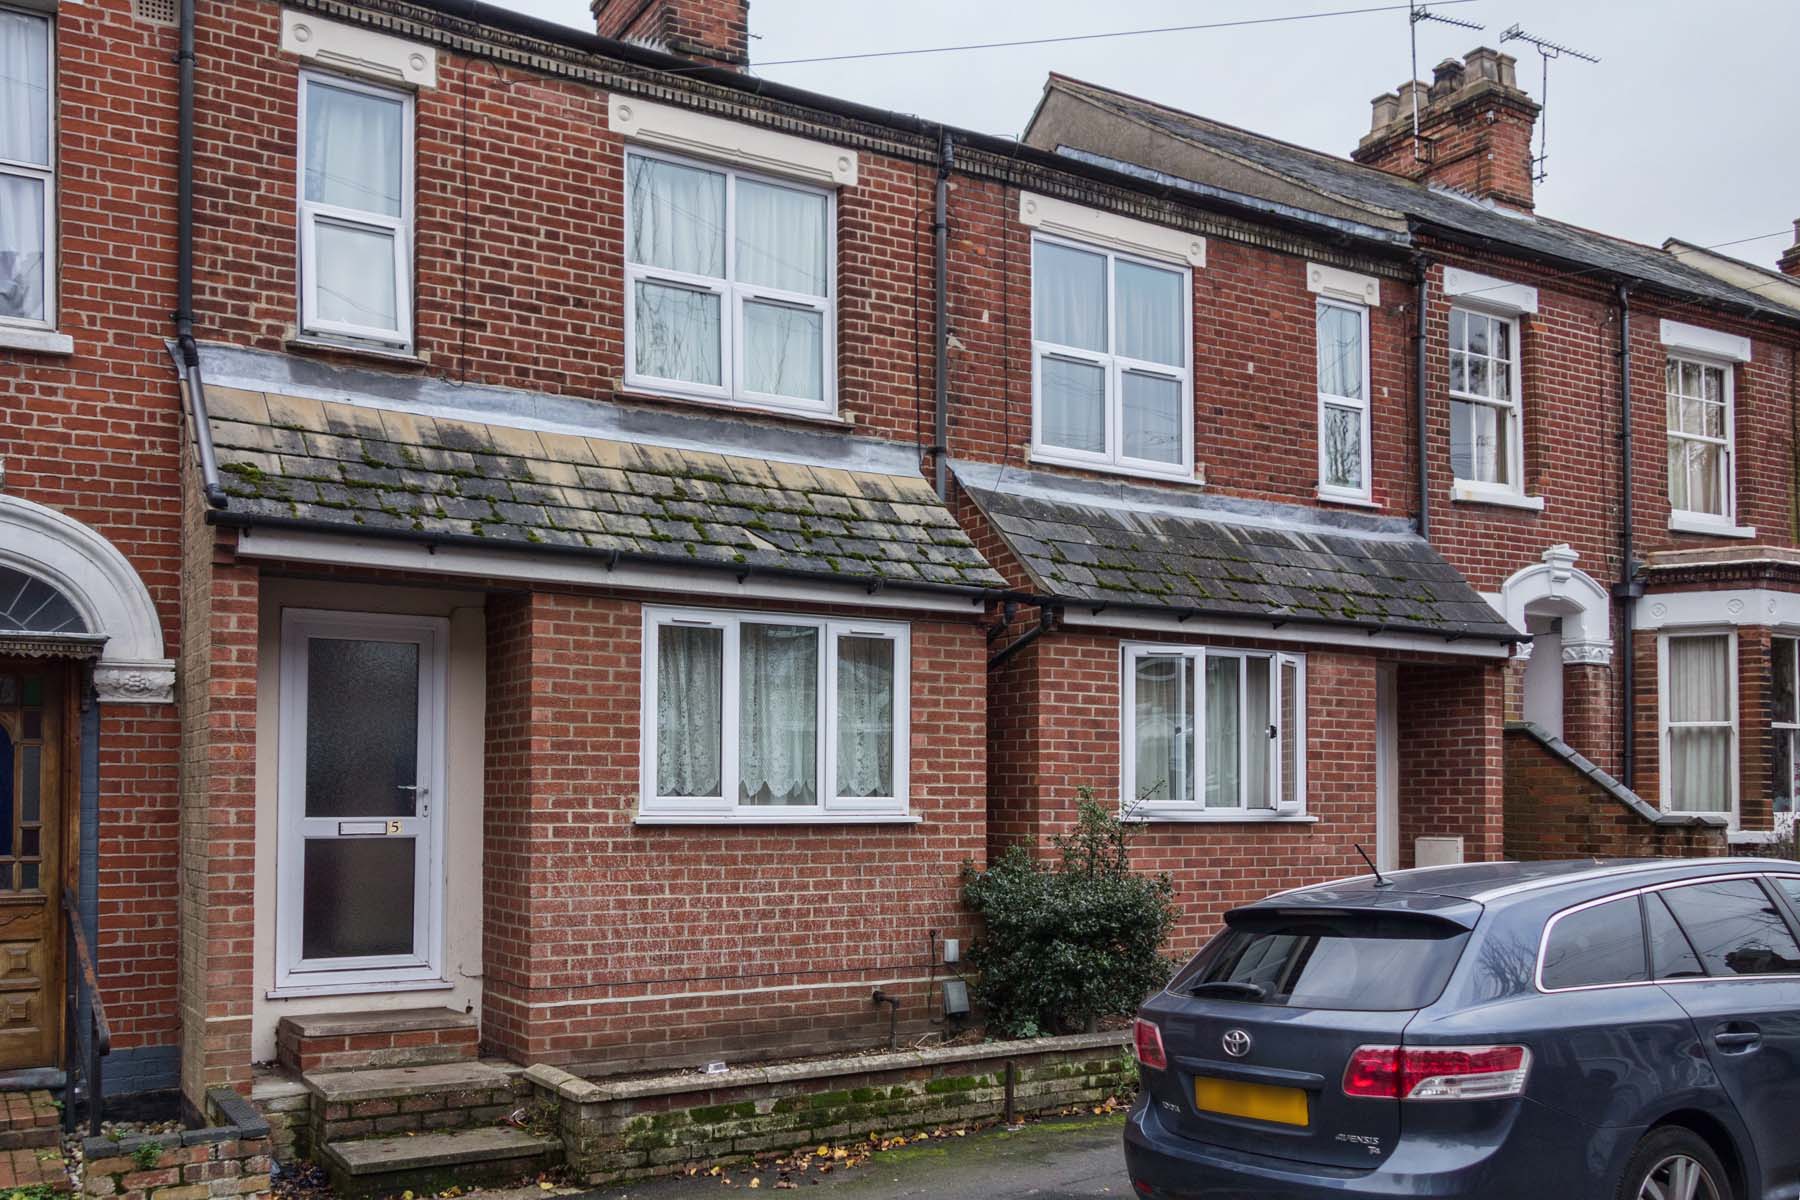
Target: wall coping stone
[1612,787]
[584,1091]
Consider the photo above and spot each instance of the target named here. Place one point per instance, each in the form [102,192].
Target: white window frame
[1694,519]
[1785,642]
[1663,724]
[293,973]
[313,213]
[724,808]
[1477,489]
[1328,491]
[1116,367]
[44,173]
[732,295]
[1132,808]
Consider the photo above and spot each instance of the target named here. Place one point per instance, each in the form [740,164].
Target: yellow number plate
[1256,1101]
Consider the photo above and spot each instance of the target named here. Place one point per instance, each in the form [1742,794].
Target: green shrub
[1070,939]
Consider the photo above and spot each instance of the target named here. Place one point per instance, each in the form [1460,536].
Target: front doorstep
[637,1127]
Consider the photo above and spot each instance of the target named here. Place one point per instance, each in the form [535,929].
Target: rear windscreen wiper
[1230,987]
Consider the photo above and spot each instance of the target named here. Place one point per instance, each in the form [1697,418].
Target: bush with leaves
[1069,939]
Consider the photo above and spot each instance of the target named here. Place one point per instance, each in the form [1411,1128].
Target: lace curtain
[678,224]
[865,696]
[24,137]
[1700,703]
[690,681]
[778,731]
[1164,730]
[1223,777]
[1069,298]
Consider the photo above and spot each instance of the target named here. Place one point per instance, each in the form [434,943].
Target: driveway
[1051,1160]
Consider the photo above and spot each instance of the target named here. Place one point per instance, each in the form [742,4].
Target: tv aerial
[1417,12]
[1547,50]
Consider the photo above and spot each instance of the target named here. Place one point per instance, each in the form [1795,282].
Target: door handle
[1737,1039]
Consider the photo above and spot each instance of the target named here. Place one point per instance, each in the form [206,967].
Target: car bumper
[1166,1166]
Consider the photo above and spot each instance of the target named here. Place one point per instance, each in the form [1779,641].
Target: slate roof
[1384,193]
[366,469]
[1119,544]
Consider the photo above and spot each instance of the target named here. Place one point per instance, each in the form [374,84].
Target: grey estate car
[1546,1030]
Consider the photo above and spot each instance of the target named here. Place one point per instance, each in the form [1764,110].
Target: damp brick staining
[287,458]
[633,1128]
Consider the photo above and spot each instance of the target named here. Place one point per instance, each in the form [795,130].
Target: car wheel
[1673,1163]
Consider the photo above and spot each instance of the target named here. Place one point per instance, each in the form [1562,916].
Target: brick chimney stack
[1790,258]
[1475,126]
[715,33]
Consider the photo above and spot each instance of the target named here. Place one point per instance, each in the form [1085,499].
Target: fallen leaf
[756,1182]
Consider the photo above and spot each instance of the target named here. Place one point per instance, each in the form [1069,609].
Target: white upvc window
[1698,693]
[1702,481]
[1213,734]
[1486,445]
[1343,350]
[766,717]
[1112,348]
[356,211]
[1784,724]
[27,171]
[729,285]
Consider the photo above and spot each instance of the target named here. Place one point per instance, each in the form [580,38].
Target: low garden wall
[627,1128]
[229,1158]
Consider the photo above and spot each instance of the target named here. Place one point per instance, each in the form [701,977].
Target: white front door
[1387,769]
[360,769]
[1544,675]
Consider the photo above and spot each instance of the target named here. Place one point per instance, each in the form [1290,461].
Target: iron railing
[85,1046]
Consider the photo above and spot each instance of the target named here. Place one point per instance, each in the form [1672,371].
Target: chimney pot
[1790,258]
[715,33]
[1387,110]
[1446,78]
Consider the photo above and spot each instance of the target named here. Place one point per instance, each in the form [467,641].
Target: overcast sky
[1686,127]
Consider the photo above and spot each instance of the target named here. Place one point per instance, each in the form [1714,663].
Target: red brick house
[579,577]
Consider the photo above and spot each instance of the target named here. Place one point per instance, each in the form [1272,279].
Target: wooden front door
[35,718]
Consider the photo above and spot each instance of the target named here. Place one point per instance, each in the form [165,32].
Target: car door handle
[1737,1039]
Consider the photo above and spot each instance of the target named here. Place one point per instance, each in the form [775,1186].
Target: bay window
[356,211]
[1213,733]
[1700,438]
[1699,722]
[769,717]
[1784,714]
[27,172]
[1484,399]
[1111,348]
[728,284]
[1343,352]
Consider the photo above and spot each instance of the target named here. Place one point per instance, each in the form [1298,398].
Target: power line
[1091,37]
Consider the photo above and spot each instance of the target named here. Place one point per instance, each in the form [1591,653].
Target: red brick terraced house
[607,538]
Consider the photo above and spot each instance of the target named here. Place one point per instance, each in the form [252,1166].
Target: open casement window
[767,717]
[1484,398]
[1699,722]
[27,172]
[1343,350]
[1700,438]
[1784,732]
[729,285]
[356,153]
[1213,733]
[1111,348]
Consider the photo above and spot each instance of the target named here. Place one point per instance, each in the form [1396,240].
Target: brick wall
[1451,718]
[1554,810]
[611,944]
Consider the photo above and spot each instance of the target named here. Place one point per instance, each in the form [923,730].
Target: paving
[1052,1160]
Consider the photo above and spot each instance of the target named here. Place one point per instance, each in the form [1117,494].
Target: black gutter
[1629,588]
[187,352]
[1188,613]
[1046,624]
[1422,302]
[940,303]
[870,585]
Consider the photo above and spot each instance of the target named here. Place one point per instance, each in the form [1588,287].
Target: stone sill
[1710,526]
[36,341]
[810,817]
[583,1091]
[1177,817]
[1465,492]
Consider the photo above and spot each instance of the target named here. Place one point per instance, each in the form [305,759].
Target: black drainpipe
[1630,587]
[1421,290]
[940,233]
[187,352]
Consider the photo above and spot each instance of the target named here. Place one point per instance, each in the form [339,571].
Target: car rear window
[1595,946]
[1349,964]
[1671,955]
[1735,928]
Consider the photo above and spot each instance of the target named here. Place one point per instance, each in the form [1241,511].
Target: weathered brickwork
[1554,811]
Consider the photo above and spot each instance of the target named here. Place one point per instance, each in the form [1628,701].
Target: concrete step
[346,1105]
[400,1038]
[433,1162]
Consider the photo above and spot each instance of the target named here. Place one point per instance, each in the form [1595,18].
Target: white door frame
[425,963]
[1387,767]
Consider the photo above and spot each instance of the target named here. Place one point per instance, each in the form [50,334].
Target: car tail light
[1437,1072]
[1147,1042]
